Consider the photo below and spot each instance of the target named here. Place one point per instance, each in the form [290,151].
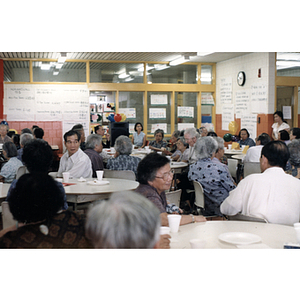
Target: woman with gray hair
[9,170]
[159,144]
[213,177]
[122,159]
[294,160]
[127,221]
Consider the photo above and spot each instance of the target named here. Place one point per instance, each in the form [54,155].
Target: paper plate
[239,238]
[96,182]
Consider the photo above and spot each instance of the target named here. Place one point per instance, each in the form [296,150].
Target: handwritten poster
[227,115]
[159,99]
[128,112]
[162,126]
[259,98]
[287,112]
[185,112]
[242,103]
[157,113]
[207,99]
[184,126]
[249,121]
[226,90]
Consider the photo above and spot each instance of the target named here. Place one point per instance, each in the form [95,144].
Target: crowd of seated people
[206,160]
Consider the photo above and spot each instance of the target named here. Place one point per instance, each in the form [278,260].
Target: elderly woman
[3,134]
[174,152]
[245,139]
[158,144]
[139,137]
[294,160]
[279,124]
[213,177]
[9,170]
[295,133]
[183,147]
[93,148]
[35,204]
[122,159]
[155,177]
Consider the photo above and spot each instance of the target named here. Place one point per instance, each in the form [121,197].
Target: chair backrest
[174,197]
[251,167]
[123,174]
[7,217]
[21,171]
[199,194]
[232,166]
[241,217]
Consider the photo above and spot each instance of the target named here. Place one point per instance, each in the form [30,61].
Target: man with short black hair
[272,195]
[74,160]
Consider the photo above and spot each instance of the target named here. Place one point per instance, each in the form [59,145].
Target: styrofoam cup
[66,176]
[297,229]
[197,244]
[229,147]
[164,230]
[174,222]
[99,175]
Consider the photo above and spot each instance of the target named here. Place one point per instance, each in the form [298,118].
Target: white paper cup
[296,224]
[297,230]
[59,179]
[66,176]
[174,221]
[159,152]
[1,186]
[164,230]
[229,147]
[147,147]
[99,175]
[197,244]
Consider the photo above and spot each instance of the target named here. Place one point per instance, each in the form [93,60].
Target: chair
[232,166]
[251,167]
[122,174]
[21,171]
[174,197]
[199,196]
[241,217]
[7,217]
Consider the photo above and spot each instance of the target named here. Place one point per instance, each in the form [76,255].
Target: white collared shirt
[78,164]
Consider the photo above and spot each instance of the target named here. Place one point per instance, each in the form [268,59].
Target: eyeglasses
[166,175]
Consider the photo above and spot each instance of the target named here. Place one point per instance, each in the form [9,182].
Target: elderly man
[191,135]
[123,160]
[254,153]
[272,194]
[93,149]
[24,139]
[100,130]
[3,134]
[74,160]
[127,221]
[203,131]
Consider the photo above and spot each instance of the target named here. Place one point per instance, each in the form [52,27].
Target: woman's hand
[164,242]
[200,219]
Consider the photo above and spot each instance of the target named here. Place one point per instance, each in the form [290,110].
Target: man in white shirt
[272,195]
[74,160]
[190,136]
[254,153]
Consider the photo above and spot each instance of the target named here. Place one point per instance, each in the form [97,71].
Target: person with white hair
[24,139]
[191,135]
[93,148]
[213,177]
[3,134]
[126,221]
[122,159]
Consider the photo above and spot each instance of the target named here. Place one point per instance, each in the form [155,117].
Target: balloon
[118,117]
[233,127]
[111,118]
[227,137]
[123,117]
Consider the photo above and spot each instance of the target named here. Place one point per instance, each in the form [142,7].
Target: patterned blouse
[123,162]
[9,170]
[161,144]
[215,180]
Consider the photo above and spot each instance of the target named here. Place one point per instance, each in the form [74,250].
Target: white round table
[272,235]
[82,192]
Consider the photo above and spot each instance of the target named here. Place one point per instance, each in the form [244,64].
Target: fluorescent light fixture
[204,53]
[123,75]
[45,66]
[148,67]
[62,58]
[180,60]
[55,73]
[58,66]
[129,78]
[161,67]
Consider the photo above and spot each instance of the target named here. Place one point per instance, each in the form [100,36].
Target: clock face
[241,78]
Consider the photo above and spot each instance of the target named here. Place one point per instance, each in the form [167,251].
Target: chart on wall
[24,102]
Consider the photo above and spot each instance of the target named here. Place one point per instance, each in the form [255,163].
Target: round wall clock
[241,78]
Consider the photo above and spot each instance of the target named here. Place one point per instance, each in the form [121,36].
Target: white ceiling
[126,56]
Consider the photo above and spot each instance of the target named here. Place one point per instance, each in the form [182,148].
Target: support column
[1,88]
